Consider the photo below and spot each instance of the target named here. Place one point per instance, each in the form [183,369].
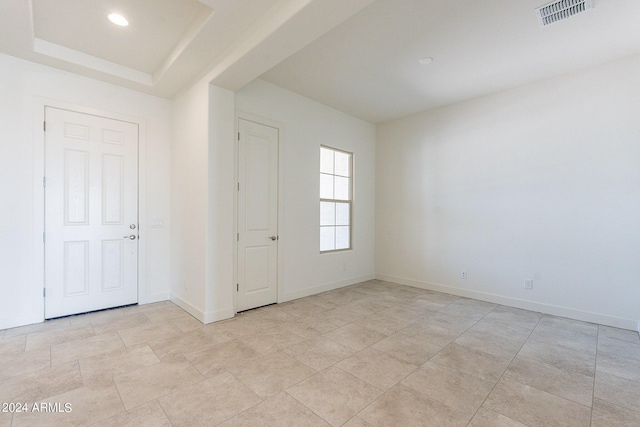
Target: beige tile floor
[373,354]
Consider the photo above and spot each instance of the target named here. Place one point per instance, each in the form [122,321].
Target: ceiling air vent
[561,9]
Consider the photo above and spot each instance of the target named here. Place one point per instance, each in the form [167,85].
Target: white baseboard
[288,296]
[157,297]
[585,316]
[204,317]
[27,319]
[198,314]
[216,316]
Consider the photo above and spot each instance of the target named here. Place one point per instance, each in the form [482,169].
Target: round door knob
[274,237]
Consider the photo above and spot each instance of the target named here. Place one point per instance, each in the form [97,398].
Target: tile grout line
[50,357]
[440,351]
[309,409]
[419,366]
[301,403]
[262,400]
[507,368]
[164,412]
[204,378]
[539,324]
[382,392]
[595,372]
[454,339]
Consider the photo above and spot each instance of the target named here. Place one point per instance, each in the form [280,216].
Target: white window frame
[348,200]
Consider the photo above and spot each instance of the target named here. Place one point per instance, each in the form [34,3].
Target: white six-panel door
[257,215]
[91,212]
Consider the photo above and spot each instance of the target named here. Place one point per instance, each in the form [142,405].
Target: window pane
[342,238]
[342,214]
[326,160]
[327,238]
[327,213]
[342,164]
[335,199]
[326,186]
[342,188]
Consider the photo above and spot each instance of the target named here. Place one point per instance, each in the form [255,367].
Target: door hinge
[237,237]
[238,136]
[43,234]
[44,181]
[238,186]
[44,292]
[44,126]
[237,287]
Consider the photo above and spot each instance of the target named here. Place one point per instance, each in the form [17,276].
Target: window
[335,199]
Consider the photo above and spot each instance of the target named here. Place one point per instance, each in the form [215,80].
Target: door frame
[38,194]
[241,115]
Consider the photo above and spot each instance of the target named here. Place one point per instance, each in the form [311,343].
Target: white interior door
[257,215]
[91,213]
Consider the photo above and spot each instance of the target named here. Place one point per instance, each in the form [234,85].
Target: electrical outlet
[528,284]
[463,274]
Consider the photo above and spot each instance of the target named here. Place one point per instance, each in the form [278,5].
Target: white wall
[22,85]
[220,209]
[540,182]
[202,170]
[307,125]
[189,166]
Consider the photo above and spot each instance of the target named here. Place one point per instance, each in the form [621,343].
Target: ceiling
[169,44]
[358,56]
[368,65]
[156,28]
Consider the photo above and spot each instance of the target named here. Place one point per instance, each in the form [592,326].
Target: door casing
[281,228]
[38,314]
[87,235]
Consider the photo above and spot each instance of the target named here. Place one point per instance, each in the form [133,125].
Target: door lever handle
[273,237]
[132,237]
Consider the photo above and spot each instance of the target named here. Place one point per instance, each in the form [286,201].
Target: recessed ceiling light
[426,61]
[118,19]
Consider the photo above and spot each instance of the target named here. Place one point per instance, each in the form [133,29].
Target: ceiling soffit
[169,44]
